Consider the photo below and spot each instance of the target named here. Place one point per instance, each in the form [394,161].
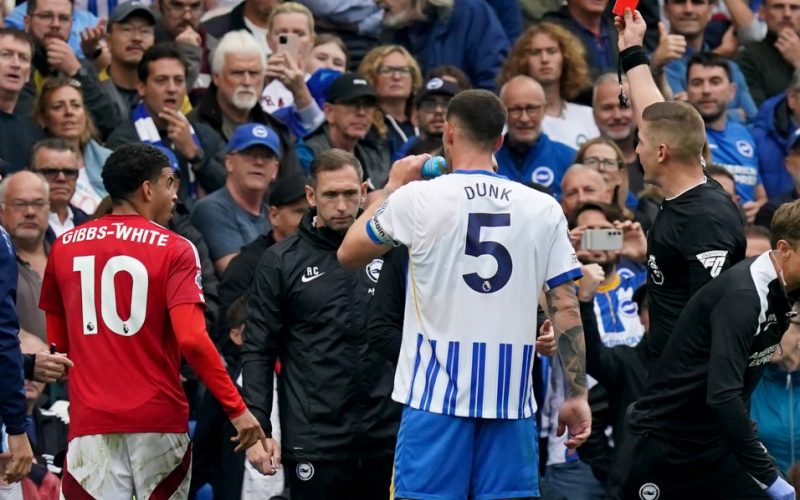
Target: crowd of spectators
[245,97]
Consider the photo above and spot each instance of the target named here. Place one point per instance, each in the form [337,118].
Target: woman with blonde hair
[395,75]
[604,155]
[556,59]
[61,112]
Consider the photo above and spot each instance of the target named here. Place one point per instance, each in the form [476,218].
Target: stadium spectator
[232,99]
[451,73]
[725,179]
[555,58]
[18,132]
[587,20]
[776,401]
[61,113]
[157,120]
[528,154]
[330,52]
[710,90]
[250,15]
[56,160]
[12,402]
[166,318]
[464,33]
[48,23]
[235,215]
[616,123]
[604,155]
[768,64]
[131,31]
[396,77]
[758,241]
[25,198]
[179,23]
[82,19]
[581,184]
[311,311]
[430,106]
[687,23]
[792,165]
[350,102]
[775,132]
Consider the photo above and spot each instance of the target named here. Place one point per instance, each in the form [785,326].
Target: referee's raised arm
[635,63]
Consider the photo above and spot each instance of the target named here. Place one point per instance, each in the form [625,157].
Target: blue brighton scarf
[148,133]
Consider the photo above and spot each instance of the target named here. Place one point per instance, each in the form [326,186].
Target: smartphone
[602,239]
[289,43]
[621,5]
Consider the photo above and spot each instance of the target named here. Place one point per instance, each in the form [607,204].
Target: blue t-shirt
[735,149]
[226,227]
[544,163]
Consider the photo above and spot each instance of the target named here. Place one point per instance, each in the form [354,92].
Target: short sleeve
[709,249]
[184,276]
[50,300]
[217,223]
[562,263]
[393,222]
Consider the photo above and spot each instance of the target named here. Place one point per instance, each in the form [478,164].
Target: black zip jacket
[309,311]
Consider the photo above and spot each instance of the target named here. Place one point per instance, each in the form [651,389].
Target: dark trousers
[662,469]
[360,479]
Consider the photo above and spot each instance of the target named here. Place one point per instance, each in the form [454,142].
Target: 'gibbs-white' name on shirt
[481,248]
[121,232]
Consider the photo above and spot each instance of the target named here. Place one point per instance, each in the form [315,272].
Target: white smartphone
[602,239]
[289,43]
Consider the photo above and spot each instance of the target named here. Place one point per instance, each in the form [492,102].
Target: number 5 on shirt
[475,247]
[85,265]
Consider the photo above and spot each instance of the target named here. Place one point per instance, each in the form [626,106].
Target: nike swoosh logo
[306,279]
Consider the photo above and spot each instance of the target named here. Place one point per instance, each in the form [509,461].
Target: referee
[696,438]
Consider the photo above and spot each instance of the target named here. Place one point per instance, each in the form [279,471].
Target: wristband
[632,57]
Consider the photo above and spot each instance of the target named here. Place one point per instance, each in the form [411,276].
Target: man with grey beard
[237,68]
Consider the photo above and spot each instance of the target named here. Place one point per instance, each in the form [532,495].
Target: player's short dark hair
[709,60]
[333,159]
[130,166]
[53,144]
[18,35]
[611,212]
[480,114]
[786,224]
[163,50]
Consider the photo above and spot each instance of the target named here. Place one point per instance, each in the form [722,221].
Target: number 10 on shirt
[85,265]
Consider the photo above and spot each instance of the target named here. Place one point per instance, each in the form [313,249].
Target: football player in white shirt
[481,248]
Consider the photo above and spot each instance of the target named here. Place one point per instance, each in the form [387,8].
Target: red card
[621,5]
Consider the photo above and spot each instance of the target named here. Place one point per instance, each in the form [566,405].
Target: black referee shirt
[698,393]
[694,237]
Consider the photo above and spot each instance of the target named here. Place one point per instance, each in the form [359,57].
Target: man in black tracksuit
[696,438]
[338,423]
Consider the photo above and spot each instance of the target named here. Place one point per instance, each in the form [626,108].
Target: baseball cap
[283,191]
[348,88]
[173,160]
[254,134]
[124,10]
[436,86]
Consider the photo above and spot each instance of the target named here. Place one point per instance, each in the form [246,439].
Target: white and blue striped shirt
[481,248]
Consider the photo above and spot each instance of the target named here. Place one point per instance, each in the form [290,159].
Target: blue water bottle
[434,167]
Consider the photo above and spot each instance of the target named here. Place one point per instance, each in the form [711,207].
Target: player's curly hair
[575,76]
[129,166]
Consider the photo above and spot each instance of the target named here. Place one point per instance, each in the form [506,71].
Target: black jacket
[209,112]
[78,218]
[310,312]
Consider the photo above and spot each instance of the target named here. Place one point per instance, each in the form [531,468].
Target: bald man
[581,184]
[527,154]
[24,199]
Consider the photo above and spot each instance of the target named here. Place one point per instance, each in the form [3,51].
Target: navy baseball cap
[124,10]
[283,191]
[348,88]
[436,86]
[254,134]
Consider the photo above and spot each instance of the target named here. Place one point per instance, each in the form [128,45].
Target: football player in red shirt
[123,297]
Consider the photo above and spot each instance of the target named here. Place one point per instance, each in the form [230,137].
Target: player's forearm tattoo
[565,314]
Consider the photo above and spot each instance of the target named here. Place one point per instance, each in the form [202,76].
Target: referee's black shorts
[667,470]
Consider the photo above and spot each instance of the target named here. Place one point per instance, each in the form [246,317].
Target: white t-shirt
[575,125]
[260,34]
[481,248]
